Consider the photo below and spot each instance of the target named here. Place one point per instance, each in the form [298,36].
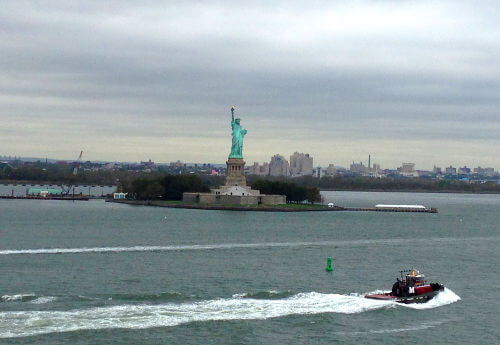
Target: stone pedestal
[235,191]
[235,175]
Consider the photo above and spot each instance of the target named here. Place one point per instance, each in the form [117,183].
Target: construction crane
[77,164]
[75,171]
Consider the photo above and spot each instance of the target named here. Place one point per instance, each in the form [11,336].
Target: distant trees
[361,183]
[167,187]
[171,187]
[175,185]
[145,189]
[313,195]
[55,173]
[297,190]
[294,193]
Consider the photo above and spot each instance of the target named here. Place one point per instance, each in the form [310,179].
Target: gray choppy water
[95,272]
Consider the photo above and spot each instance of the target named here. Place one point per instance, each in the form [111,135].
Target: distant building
[489,171]
[484,171]
[264,169]
[331,170]
[464,170]
[119,195]
[319,172]
[148,165]
[359,168]
[279,166]
[407,168]
[301,164]
[261,170]
[251,169]
[44,192]
[423,173]
[437,170]
[451,170]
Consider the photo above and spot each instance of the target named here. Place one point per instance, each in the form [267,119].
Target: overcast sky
[404,81]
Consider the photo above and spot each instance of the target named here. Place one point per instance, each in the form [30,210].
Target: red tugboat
[411,288]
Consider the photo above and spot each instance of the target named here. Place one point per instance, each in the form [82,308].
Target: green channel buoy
[329,267]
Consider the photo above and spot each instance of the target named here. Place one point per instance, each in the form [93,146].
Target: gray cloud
[323,77]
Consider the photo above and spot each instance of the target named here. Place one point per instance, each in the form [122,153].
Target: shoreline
[278,208]
[409,191]
[35,197]
[173,204]
[26,182]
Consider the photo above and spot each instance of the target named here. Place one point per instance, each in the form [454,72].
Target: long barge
[396,209]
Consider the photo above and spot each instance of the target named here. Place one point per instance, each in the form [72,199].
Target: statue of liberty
[238,134]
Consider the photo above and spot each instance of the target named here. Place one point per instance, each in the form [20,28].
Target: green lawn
[301,206]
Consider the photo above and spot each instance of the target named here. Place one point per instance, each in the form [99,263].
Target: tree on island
[175,185]
[167,187]
[294,193]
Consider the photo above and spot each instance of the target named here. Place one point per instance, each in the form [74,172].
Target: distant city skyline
[251,165]
[403,81]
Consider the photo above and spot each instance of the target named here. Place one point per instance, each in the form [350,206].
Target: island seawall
[265,208]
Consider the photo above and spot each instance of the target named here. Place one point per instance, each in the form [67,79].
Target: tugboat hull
[419,294]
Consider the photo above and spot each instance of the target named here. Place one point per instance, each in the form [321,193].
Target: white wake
[17,297]
[225,246]
[28,323]
[442,298]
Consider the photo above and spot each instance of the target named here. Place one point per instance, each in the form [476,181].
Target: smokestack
[369,159]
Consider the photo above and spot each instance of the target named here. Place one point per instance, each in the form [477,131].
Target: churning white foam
[43,300]
[375,292]
[17,297]
[28,323]
[442,298]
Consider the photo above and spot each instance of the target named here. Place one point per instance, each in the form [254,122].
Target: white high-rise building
[279,166]
[301,164]
[407,167]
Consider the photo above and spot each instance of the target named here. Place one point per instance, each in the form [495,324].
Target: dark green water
[103,273]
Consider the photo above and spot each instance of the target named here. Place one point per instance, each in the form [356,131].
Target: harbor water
[106,273]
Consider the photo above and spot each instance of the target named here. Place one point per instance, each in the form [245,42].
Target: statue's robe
[237,145]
